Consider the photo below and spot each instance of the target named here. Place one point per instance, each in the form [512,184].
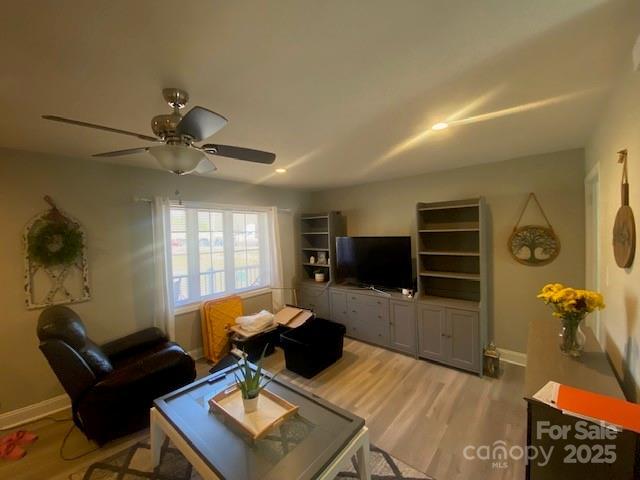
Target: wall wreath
[534,245]
[55,243]
[55,260]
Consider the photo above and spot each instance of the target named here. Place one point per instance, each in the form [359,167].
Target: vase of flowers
[571,306]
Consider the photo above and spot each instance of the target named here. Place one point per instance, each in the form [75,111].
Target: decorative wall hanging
[624,228]
[55,260]
[534,245]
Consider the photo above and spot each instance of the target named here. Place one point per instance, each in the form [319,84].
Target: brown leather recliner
[112,387]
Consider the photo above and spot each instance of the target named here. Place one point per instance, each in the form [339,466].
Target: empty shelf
[451,253]
[450,227]
[460,275]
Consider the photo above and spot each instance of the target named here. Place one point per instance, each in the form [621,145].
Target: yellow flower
[570,301]
[549,290]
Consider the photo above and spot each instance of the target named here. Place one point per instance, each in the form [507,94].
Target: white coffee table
[318,443]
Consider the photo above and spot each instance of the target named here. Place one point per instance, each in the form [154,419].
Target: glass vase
[572,338]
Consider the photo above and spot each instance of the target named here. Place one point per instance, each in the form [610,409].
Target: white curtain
[277,292]
[163,309]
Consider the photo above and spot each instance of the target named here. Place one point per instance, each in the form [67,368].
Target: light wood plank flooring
[422,413]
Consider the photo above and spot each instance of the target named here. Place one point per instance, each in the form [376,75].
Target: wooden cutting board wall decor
[624,227]
[534,245]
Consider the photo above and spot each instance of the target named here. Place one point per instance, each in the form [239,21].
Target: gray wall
[388,208]
[119,237]
[620,320]
[119,233]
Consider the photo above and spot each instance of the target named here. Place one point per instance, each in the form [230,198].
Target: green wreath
[55,243]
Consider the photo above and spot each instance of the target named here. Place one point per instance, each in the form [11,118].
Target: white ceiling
[343,92]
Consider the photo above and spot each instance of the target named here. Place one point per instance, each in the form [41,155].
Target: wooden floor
[423,413]
[420,412]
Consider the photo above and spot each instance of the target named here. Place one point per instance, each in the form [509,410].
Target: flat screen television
[383,262]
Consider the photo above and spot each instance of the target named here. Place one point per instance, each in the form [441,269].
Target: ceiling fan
[175,135]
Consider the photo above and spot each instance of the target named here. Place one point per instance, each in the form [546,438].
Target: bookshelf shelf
[450,253]
[450,227]
[318,232]
[460,275]
[452,281]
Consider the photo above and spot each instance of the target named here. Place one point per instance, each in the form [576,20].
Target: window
[217,251]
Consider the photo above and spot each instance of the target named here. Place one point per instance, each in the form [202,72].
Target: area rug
[134,463]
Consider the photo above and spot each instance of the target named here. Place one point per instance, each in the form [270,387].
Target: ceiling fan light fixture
[177,159]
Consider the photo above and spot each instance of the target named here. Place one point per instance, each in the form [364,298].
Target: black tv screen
[375,261]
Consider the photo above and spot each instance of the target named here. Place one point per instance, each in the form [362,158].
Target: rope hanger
[624,182]
[535,199]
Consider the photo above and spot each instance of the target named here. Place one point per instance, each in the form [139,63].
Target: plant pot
[250,404]
[572,338]
[319,277]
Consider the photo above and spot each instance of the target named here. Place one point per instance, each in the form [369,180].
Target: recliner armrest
[134,343]
[145,369]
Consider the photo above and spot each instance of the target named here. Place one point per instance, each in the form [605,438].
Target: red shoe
[21,437]
[11,451]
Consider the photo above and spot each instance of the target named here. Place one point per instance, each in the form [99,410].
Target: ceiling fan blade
[141,136]
[200,123]
[247,154]
[205,166]
[117,153]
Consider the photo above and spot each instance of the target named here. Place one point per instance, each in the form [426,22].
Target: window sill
[193,307]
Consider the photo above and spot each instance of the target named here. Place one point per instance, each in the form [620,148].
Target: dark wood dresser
[591,372]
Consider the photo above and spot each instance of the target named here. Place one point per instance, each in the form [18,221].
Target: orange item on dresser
[599,407]
[216,318]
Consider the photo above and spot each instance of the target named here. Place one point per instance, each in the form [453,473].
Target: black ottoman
[312,347]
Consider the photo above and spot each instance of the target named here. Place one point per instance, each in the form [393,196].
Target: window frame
[193,260]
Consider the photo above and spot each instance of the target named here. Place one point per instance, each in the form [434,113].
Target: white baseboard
[196,353]
[515,358]
[34,412]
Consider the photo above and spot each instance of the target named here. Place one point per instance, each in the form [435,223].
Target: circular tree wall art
[534,245]
[55,260]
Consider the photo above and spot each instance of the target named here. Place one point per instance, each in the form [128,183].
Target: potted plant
[571,306]
[252,382]
[319,275]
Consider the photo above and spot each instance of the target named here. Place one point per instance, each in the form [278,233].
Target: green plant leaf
[259,364]
[241,386]
[269,380]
